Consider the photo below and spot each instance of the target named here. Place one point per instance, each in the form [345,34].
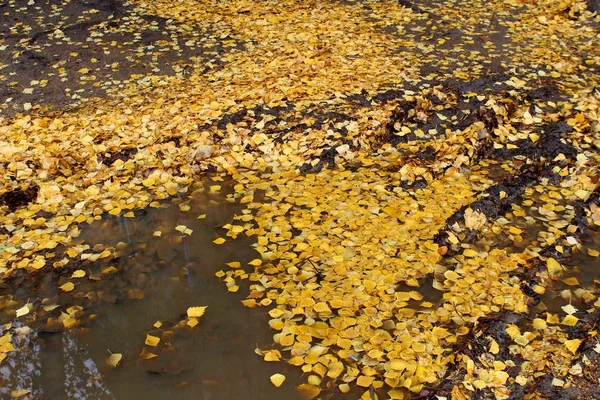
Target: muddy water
[162,277]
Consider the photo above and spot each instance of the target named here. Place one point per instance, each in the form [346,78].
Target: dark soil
[61,53]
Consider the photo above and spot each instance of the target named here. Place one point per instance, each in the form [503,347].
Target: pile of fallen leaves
[385,152]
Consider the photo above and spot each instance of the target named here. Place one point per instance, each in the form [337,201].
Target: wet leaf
[114,360]
[307,391]
[151,340]
[67,287]
[23,310]
[78,274]
[196,312]
[277,379]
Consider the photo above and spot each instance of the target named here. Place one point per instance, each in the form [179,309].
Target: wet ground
[412,188]
[155,279]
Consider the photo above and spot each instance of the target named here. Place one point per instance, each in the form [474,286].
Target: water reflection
[156,278]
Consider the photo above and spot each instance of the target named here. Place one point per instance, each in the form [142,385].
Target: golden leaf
[573,345]
[554,268]
[277,379]
[152,340]
[78,274]
[365,381]
[23,310]
[308,391]
[67,287]
[114,359]
[196,312]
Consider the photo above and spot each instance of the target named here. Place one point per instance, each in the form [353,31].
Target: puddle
[156,279]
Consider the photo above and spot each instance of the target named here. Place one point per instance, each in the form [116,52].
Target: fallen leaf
[277,379]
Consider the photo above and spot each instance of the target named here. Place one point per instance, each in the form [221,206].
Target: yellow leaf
[287,340]
[157,233]
[23,311]
[219,241]
[234,264]
[570,320]
[250,303]
[152,340]
[256,262]
[308,391]
[515,231]
[180,228]
[109,270]
[146,355]
[494,347]
[277,379]
[78,274]
[50,244]
[272,355]
[539,324]
[192,322]
[196,312]
[554,268]
[67,287]
[7,348]
[148,182]
[571,281]
[573,345]
[365,381]
[114,359]
[470,253]
[201,216]
[513,331]
[322,307]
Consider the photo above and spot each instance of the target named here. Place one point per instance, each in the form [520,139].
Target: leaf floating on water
[78,274]
[234,264]
[277,379]
[114,359]
[308,391]
[146,355]
[196,312]
[569,309]
[192,322]
[571,281]
[67,287]
[152,340]
[219,240]
[256,262]
[18,393]
[23,310]
[554,268]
